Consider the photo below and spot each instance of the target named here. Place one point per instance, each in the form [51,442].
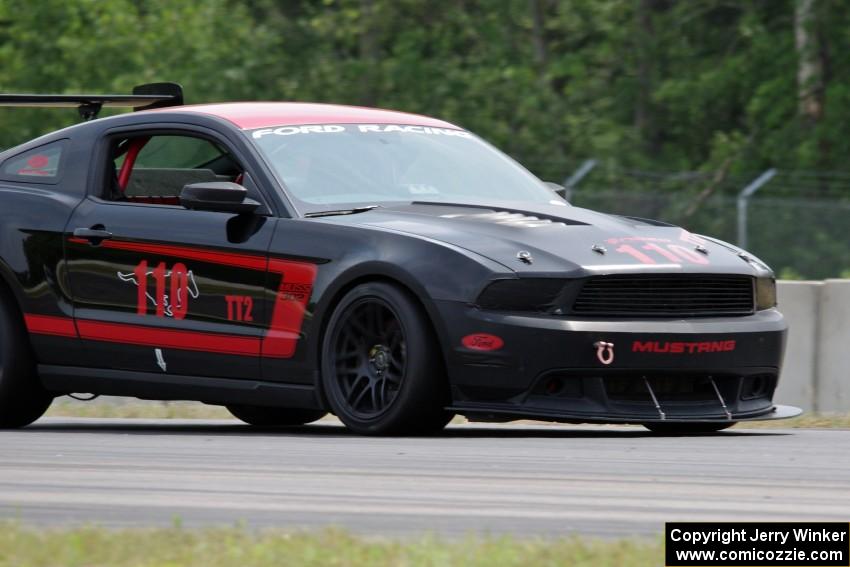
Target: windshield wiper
[353,211]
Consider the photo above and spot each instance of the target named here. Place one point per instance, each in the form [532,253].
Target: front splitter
[507,413]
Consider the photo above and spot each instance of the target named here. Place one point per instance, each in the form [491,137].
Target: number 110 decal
[174,287]
[675,253]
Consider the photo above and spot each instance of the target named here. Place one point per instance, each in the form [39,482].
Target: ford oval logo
[482,341]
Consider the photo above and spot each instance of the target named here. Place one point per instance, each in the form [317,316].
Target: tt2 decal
[240,308]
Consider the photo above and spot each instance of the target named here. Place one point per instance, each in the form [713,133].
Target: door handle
[93,235]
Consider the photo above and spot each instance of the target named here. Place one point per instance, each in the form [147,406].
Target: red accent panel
[280,340]
[75,240]
[50,325]
[136,146]
[296,286]
[293,294]
[172,338]
[482,341]
[248,115]
[247,261]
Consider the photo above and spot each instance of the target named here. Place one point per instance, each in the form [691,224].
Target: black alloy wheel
[382,369]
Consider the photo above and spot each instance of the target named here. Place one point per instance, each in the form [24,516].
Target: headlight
[527,294]
[765,293]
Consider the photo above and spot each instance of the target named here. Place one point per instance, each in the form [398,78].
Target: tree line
[723,87]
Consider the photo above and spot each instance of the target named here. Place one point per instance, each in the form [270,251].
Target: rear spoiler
[144,97]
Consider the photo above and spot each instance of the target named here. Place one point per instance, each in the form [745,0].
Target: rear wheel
[262,416]
[382,368]
[22,397]
[687,428]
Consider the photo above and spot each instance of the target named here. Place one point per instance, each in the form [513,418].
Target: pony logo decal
[169,304]
[604,352]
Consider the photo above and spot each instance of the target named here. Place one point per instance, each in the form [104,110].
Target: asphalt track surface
[526,480]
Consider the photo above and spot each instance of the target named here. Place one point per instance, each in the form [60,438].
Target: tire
[687,428]
[262,416]
[382,369]
[22,397]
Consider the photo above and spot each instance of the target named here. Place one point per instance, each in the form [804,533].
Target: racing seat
[162,186]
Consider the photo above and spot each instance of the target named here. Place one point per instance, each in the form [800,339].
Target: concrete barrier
[817,358]
[832,362]
[799,302]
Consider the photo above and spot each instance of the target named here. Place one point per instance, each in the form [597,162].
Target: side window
[39,165]
[153,169]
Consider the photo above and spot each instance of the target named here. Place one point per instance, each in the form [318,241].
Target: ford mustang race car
[287,260]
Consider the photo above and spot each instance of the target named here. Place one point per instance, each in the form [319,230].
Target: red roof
[250,115]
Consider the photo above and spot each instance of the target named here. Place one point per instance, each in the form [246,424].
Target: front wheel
[687,428]
[262,416]
[382,369]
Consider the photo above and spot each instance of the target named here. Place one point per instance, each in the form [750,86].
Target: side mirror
[221,196]
[558,189]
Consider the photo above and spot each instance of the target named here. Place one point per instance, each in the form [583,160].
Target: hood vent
[501,215]
[504,218]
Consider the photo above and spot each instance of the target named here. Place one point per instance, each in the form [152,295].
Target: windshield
[360,164]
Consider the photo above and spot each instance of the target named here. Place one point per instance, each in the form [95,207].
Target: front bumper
[615,371]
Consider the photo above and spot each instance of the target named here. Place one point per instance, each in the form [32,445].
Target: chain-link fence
[799,238]
[797,222]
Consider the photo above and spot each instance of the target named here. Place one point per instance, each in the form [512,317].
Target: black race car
[287,260]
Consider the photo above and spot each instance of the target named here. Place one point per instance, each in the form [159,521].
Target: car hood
[562,240]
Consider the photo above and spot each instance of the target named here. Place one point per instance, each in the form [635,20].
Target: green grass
[177,547]
[66,407]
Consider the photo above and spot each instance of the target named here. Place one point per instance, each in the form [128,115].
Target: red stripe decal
[280,341]
[248,261]
[171,338]
[296,286]
[290,305]
[50,325]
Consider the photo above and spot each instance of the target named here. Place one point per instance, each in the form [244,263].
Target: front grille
[666,295]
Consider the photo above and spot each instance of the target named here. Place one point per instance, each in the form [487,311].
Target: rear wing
[144,97]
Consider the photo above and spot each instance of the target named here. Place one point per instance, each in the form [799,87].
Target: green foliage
[179,547]
[702,85]
[788,273]
[60,46]
[714,73]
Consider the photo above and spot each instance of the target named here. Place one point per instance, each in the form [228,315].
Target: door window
[154,169]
